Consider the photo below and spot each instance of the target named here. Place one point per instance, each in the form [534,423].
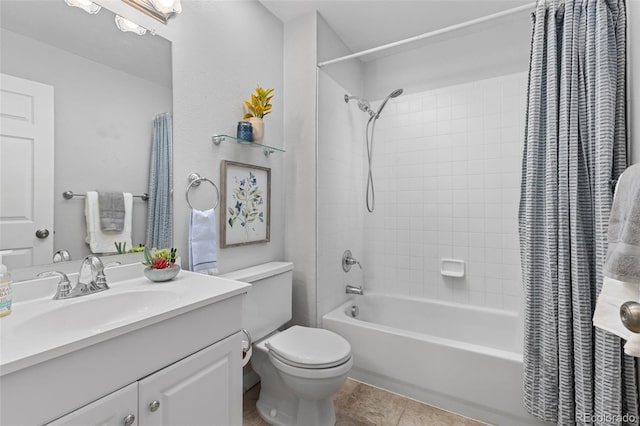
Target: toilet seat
[309,348]
[312,373]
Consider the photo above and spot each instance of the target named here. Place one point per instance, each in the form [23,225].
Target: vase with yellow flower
[257,107]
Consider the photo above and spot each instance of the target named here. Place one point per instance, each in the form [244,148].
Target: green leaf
[148,258]
[258,105]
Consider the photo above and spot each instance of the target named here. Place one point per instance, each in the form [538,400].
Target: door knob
[42,233]
[154,405]
[630,316]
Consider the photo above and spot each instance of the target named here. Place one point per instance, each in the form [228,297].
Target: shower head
[393,94]
[363,104]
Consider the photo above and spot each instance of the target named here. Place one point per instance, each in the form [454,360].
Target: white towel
[623,254]
[607,314]
[104,241]
[621,271]
[202,242]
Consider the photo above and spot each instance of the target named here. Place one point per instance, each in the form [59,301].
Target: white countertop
[40,328]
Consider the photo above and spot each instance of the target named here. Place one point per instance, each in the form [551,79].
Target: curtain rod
[511,11]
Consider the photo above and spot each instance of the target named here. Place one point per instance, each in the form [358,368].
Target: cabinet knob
[129,419]
[154,405]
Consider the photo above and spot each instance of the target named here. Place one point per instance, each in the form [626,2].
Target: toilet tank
[267,306]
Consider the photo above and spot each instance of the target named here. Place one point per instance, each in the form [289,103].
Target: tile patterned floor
[358,404]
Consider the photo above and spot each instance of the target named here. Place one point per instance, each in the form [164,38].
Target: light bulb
[86,5]
[167,6]
[128,26]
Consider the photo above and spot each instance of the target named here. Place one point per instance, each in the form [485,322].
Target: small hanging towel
[104,241]
[202,242]
[111,207]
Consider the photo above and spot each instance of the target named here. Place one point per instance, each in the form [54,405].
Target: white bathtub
[460,358]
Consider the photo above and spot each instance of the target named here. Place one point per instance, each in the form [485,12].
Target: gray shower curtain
[160,209]
[575,148]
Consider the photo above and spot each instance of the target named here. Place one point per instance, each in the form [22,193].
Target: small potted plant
[160,264]
[257,107]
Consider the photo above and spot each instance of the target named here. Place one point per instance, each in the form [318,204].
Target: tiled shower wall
[447,175]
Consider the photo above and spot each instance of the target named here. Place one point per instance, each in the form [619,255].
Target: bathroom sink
[40,328]
[93,313]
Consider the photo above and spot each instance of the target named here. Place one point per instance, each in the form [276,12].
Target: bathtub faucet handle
[352,261]
[348,261]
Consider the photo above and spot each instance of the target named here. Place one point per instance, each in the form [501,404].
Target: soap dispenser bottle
[5,288]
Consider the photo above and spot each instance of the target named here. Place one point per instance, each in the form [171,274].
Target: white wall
[300,162]
[633,46]
[103,128]
[341,153]
[221,50]
[633,78]
[483,51]
[348,73]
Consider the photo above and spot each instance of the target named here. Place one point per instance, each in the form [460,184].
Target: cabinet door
[119,408]
[202,389]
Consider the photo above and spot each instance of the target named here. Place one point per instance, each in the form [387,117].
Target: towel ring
[194,180]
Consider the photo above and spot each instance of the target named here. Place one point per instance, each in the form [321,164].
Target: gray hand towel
[111,206]
[623,254]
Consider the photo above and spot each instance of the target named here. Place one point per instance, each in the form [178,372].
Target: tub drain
[355,311]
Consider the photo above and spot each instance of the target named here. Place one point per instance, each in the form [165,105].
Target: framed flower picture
[245,204]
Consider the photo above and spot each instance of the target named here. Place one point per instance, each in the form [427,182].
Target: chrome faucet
[91,279]
[352,289]
[64,285]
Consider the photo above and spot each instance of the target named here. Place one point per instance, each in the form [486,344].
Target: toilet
[300,368]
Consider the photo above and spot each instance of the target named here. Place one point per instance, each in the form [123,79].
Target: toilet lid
[309,347]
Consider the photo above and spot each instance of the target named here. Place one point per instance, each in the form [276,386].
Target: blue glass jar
[245,131]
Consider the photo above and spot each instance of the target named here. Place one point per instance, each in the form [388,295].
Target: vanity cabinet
[202,389]
[187,358]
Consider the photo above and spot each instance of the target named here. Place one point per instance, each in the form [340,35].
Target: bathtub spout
[352,289]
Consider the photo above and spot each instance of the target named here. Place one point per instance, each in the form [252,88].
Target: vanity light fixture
[86,5]
[162,10]
[126,26]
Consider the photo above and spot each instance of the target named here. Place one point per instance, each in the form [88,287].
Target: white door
[203,389]
[26,171]
[116,409]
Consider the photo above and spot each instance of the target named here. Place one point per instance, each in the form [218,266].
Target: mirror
[108,86]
